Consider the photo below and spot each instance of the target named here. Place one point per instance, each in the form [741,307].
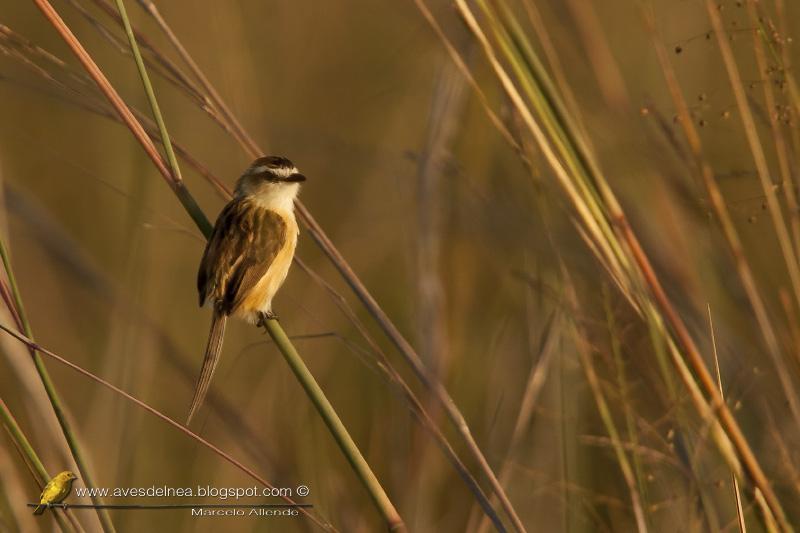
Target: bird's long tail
[213,349]
[39,509]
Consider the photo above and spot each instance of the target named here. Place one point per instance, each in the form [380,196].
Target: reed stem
[55,400]
[35,464]
[335,425]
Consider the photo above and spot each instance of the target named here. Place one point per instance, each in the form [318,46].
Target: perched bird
[248,255]
[56,490]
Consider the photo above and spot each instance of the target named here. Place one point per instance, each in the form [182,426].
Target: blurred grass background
[456,239]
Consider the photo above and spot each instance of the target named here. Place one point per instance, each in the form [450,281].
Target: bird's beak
[296,177]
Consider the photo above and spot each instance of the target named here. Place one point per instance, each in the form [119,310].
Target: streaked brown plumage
[248,255]
[245,241]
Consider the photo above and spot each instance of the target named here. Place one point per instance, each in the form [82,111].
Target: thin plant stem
[585,356]
[611,428]
[533,387]
[156,61]
[729,230]
[335,425]
[236,128]
[660,347]
[35,465]
[757,150]
[151,95]
[722,212]
[463,68]
[736,492]
[624,390]
[180,427]
[127,117]
[779,140]
[549,48]
[656,304]
[385,367]
[55,400]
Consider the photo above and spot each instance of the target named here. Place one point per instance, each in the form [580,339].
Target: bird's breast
[259,299]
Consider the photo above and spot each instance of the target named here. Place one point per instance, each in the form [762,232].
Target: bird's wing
[63,491]
[245,241]
[47,491]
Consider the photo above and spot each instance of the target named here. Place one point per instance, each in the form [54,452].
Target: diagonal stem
[30,456]
[53,396]
[229,458]
[335,425]
[638,268]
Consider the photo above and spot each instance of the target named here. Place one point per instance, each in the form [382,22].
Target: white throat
[277,196]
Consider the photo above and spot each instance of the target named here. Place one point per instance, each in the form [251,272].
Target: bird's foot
[264,316]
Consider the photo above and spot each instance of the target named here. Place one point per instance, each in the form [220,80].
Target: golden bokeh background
[457,240]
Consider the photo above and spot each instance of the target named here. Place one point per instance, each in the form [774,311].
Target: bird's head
[67,475]
[274,169]
[271,177]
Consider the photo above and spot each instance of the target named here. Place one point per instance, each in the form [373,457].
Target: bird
[55,491]
[248,255]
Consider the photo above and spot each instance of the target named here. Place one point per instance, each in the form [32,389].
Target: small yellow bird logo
[56,490]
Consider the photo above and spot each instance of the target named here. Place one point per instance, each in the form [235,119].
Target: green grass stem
[55,400]
[35,464]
